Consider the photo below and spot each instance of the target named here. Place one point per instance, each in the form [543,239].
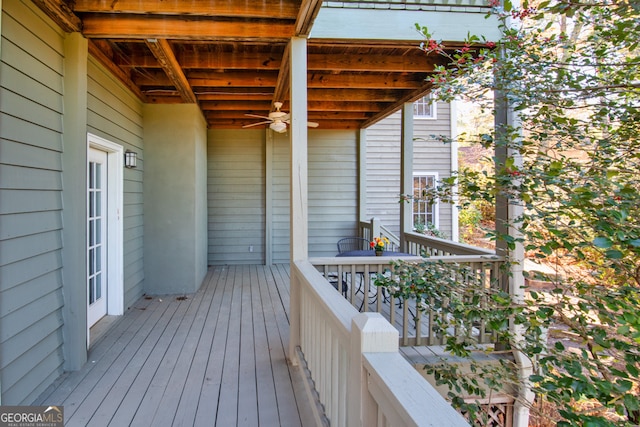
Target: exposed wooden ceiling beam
[283,9]
[210,79]
[270,61]
[98,54]
[245,78]
[281,90]
[120,26]
[238,78]
[231,60]
[337,105]
[308,11]
[161,49]
[346,94]
[371,63]
[236,94]
[164,99]
[61,14]
[365,81]
[254,107]
[411,97]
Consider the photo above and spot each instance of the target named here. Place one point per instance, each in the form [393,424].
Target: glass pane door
[96,236]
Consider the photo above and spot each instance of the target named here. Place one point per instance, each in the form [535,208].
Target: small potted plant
[378,244]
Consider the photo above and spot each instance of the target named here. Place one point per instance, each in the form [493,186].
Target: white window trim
[436,204]
[115,233]
[434,109]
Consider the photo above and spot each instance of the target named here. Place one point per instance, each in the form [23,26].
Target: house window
[424,108]
[424,211]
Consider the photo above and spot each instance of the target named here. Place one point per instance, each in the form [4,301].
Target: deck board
[217,357]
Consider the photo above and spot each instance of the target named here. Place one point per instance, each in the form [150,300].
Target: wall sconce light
[130,159]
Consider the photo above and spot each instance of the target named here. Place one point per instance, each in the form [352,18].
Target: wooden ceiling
[231,58]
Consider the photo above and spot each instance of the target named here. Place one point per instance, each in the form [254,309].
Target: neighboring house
[433,160]
[203,192]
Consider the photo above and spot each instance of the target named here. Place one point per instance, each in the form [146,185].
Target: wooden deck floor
[216,358]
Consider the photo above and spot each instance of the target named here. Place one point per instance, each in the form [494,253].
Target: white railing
[420,244]
[352,358]
[375,228]
[354,278]
[417,243]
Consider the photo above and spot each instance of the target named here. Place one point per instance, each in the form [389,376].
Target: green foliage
[470,216]
[571,71]
[428,229]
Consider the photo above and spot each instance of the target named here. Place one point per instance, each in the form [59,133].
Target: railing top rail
[447,245]
[326,295]
[404,396]
[387,260]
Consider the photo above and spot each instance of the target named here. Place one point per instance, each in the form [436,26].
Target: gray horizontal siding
[332,195]
[333,189]
[30,203]
[280,190]
[236,197]
[115,114]
[383,164]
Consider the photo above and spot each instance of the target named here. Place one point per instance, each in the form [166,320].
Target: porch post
[453,125]
[370,333]
[406,169]
[507,210]
[362,176]
[74,199]
[298,196]
[268,211]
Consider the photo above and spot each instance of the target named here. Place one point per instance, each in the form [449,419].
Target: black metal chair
[348,244]
[353,244]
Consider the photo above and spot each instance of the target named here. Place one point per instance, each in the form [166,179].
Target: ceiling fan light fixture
[279,127]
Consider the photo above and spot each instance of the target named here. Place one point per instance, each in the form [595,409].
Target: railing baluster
[357,274]
[418,321]
[405,323]
[365,285]
[482,338]
[432,317]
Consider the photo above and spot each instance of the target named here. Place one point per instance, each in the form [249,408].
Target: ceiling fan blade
[310,124]
[258,117]
[256,124]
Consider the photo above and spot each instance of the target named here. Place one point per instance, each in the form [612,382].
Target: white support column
[362,175]
[453,120]
[507,211]
[299,188]
[370,333]
[406,169]
[268,229]
[298,141]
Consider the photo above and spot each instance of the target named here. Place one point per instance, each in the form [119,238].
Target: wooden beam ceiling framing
[284,9]
[161,49]
[232,58]
[186,27]
[61,14]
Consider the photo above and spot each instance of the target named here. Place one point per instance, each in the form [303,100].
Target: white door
[97,236]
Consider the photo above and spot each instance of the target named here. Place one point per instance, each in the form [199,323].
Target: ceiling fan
[277,120]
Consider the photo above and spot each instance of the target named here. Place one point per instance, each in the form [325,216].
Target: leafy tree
[570,70]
